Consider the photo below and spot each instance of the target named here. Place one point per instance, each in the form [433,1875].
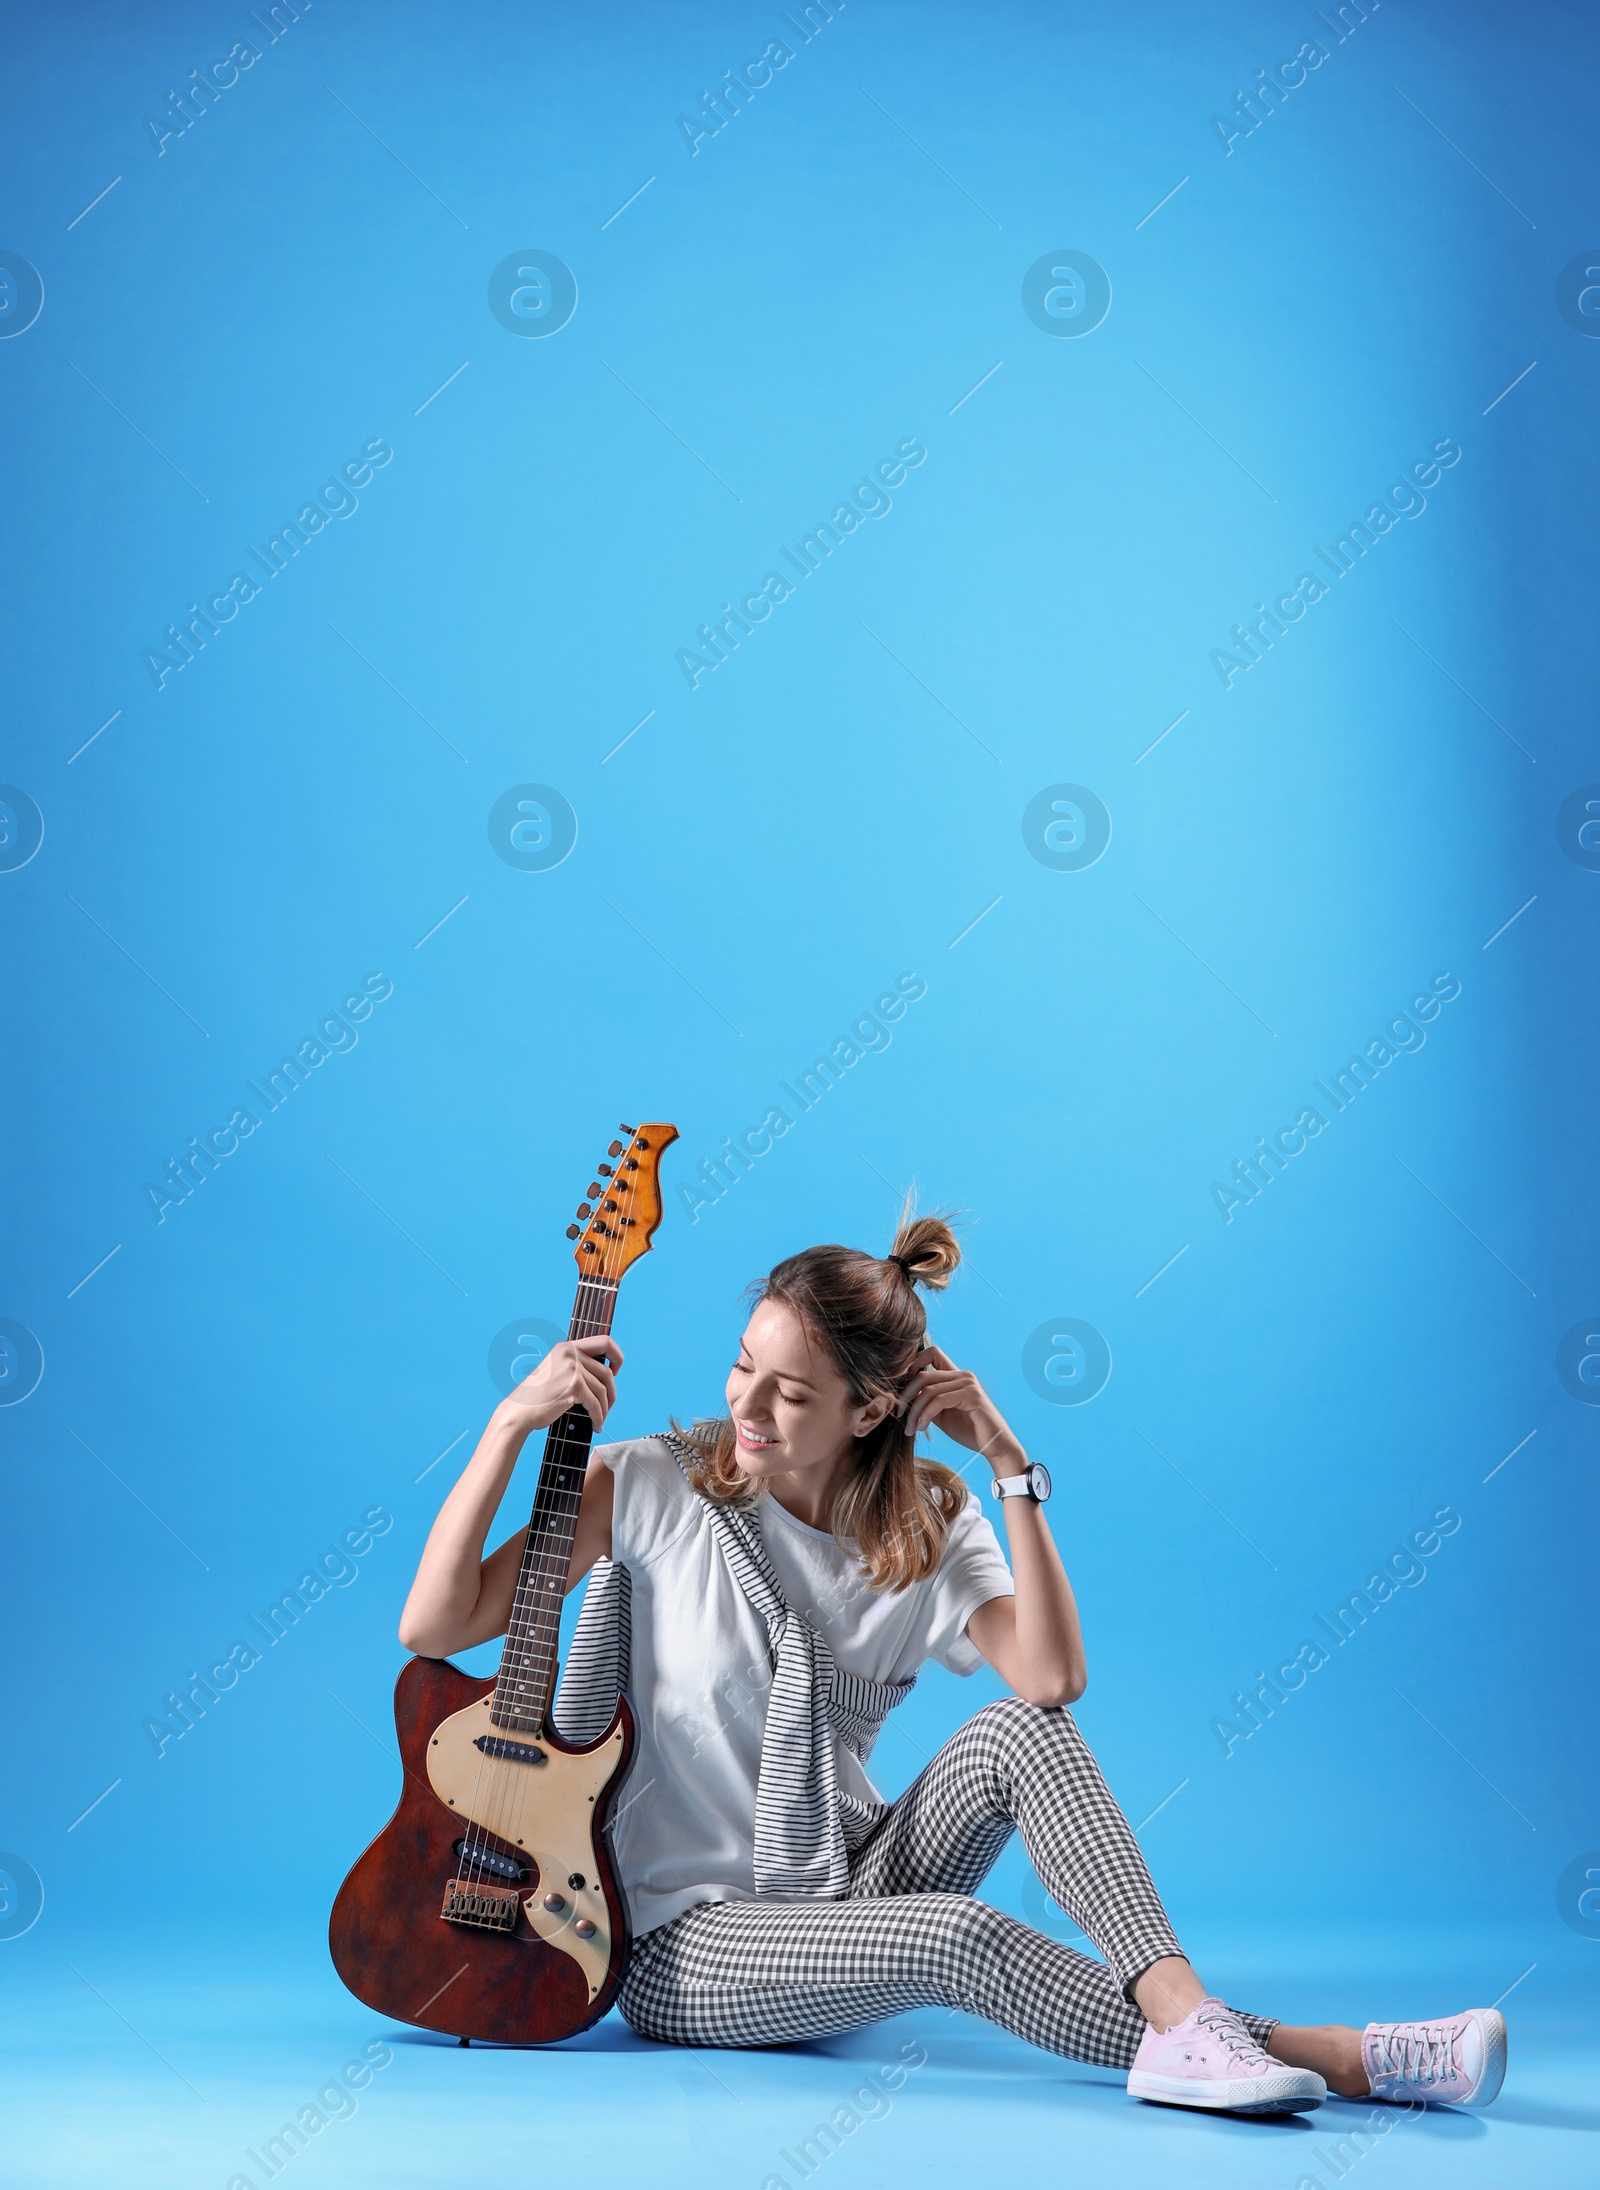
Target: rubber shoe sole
[1492,2024]
[1282,2091]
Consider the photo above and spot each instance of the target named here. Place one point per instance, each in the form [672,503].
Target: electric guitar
[488,1906]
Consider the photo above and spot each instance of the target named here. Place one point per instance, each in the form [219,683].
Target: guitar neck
[526,1680]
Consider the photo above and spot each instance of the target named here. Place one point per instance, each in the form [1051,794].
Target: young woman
[783,1574]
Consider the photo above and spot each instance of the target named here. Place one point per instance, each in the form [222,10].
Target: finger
[592,1395]
[916,1400]
[944,1387]
[909,1391]
[569,1375]
[929,1375]
[919,1414]
[601,1347]
[947,1393]
[598,1389]
[928,1409]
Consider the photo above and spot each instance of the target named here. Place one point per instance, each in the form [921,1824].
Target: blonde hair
[892,1510]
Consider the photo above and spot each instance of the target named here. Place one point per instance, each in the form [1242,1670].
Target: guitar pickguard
[544,1810]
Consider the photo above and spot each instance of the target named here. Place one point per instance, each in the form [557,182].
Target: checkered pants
[909,1932]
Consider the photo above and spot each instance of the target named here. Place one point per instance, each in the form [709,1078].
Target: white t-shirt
[685,1822]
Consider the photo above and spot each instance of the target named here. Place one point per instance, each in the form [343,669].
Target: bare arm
[1033,1640]
[459,1597]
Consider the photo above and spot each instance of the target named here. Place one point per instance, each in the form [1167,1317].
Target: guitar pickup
[486,1908]
[484,1858]
[519,1752]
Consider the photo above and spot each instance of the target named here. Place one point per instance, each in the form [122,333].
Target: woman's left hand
[937,1392]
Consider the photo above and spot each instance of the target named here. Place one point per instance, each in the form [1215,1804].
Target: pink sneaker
[1458,2061]
[1210,2059]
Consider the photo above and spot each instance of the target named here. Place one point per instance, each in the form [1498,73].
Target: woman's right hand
[578,1372]
[459,1597]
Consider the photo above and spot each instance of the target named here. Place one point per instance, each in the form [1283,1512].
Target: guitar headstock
[622,1207]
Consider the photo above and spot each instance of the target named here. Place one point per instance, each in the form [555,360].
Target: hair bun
[925,1249]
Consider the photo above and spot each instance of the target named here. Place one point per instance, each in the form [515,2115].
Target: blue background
[838,269]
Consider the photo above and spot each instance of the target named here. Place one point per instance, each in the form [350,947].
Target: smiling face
[794,1416]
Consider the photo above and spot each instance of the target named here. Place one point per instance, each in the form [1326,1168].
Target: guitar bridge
[486,1908]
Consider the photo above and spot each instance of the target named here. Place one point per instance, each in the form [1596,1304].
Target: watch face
[1039,1481]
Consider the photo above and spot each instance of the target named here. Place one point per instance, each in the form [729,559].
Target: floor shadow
[1452,2124]
[606,2037]
[1239,2125]
[1532,2115]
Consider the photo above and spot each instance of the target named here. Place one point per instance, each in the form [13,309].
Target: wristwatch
[1033,1483]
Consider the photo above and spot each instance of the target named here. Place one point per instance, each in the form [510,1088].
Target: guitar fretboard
[527,1675]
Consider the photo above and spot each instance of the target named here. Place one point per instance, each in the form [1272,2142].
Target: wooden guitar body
[532,1805]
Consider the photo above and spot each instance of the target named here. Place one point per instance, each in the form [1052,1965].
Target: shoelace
[1229,2031]
[1420,2053]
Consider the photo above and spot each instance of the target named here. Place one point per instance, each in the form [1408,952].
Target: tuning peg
[626,1128]
[604,1170]
[615,1148]
[584,1209]
[594,1188]
[573,1230]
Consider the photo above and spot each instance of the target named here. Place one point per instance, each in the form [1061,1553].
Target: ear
[868,1416]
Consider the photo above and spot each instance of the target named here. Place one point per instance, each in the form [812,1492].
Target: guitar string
[557,1504]
[534,1628]
[527,1625]
[556,1507]
[487,1805]
[492,1805]
[532,1632]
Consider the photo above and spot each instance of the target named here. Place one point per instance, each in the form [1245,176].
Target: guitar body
[539,1810]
